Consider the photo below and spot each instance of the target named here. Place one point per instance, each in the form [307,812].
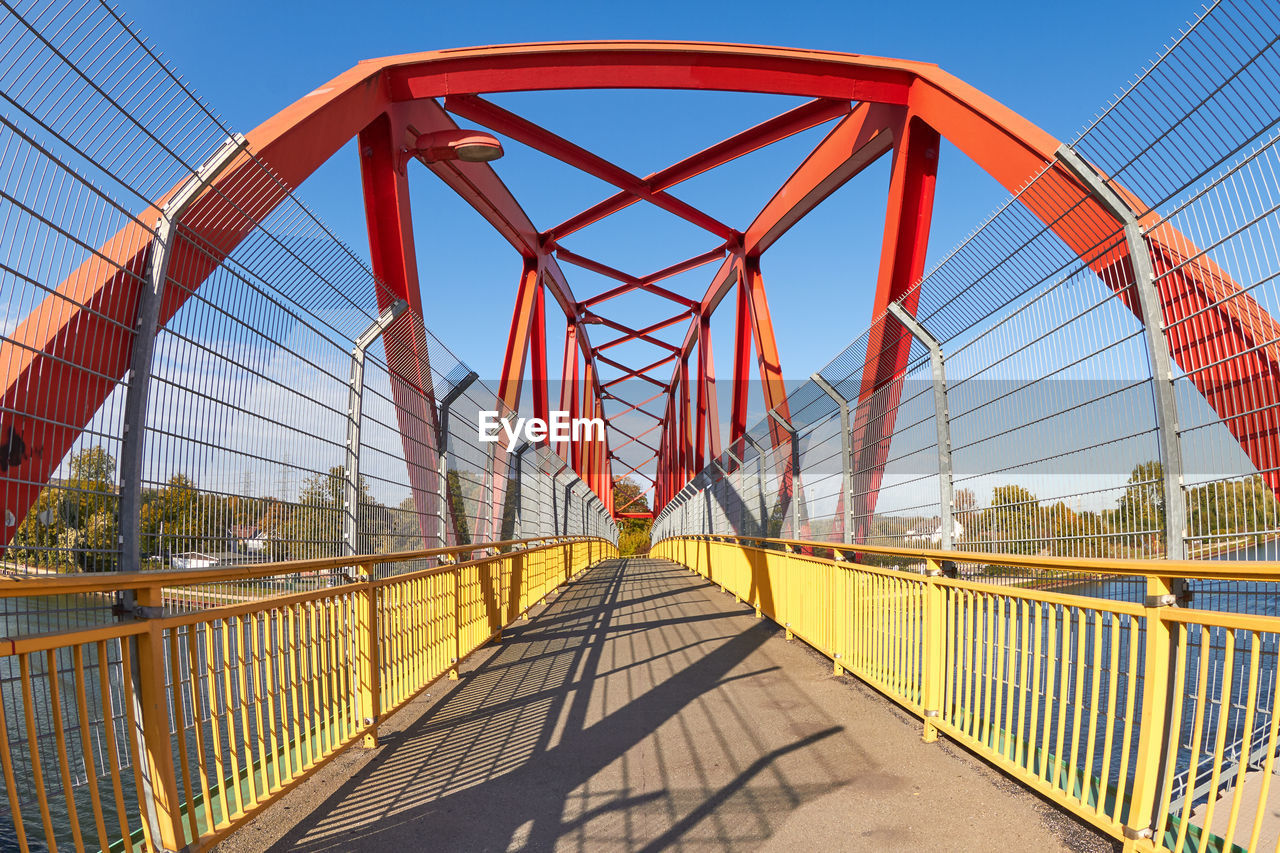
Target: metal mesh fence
[266,423]
[1060,403]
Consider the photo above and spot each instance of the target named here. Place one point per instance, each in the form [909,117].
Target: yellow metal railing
[186,725]
[1094,703]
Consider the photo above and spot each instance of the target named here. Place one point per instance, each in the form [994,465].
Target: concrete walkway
[644,710]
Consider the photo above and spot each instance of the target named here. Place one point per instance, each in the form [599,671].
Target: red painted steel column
[510,383]
[538,355]
[770,363]
[569,384]
[741,365]
[582,447]
[686,425]
[708,408]
[395,264]
[902,258]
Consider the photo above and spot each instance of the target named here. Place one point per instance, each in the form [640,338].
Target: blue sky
[251,59]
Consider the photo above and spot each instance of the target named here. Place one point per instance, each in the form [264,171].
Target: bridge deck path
[644,710]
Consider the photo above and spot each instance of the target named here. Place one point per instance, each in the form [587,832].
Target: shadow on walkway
[644,711]
[618,718]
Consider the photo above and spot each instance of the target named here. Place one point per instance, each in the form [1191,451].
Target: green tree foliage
[633,533]
[458,507]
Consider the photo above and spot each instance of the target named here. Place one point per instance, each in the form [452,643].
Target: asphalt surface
[645,710]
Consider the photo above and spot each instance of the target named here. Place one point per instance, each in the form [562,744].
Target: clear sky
[1054,64]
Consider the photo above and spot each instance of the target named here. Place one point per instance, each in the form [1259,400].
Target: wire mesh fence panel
[1091,413]
[200,373]
[1053,407]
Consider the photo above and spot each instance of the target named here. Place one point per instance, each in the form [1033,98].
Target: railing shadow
[535,746]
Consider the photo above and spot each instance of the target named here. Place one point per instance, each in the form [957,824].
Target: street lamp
[469,146]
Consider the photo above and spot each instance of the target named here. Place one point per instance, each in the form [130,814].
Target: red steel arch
[882,106]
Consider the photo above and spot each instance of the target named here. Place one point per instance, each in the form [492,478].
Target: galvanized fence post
[846,455]
[942,420]
[796,487]
[150,295]
[355,398]
[1149,304]
[442,455]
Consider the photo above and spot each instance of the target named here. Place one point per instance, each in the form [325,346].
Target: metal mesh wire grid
[1052,401]
[245,439]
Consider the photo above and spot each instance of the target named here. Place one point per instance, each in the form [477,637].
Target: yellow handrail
[1245,570]
[1043,684]
[212,715]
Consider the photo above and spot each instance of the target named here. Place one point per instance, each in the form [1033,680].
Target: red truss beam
[647,283]
[1226,348]
[902,256]
[394,262]
[708,409]
[774,130]
[637,406]
[639,371]
[569,380]
[520,129]
[635,438]
[630,334]
[635,468]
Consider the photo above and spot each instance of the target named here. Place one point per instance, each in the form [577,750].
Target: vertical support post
[457,623]
[741,365]
[569,383]
[580,448]
[150,297]
[442,443]
[393,258]
[942,420]
[1152,313]
[538,355]
[934,649]
[908,215]
[846,457]
[1155,758]
[517,463]
[368,666]
[355,397]
[796,489]
[153,747]
[686,427]
[708,408]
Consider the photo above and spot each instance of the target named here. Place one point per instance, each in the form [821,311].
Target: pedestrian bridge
[1004,572]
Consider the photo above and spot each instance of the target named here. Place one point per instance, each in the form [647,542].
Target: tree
[633,533]
[1013,519]
[1142,504]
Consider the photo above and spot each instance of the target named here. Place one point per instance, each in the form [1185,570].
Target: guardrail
[1095,703]
[171,731]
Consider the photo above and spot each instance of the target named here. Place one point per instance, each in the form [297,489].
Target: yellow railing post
[457,623]
[154,751]
[934,651]
[369,665]
[1153,737]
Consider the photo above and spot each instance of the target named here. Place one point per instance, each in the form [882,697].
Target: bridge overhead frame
[879,107]
[1097,423]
